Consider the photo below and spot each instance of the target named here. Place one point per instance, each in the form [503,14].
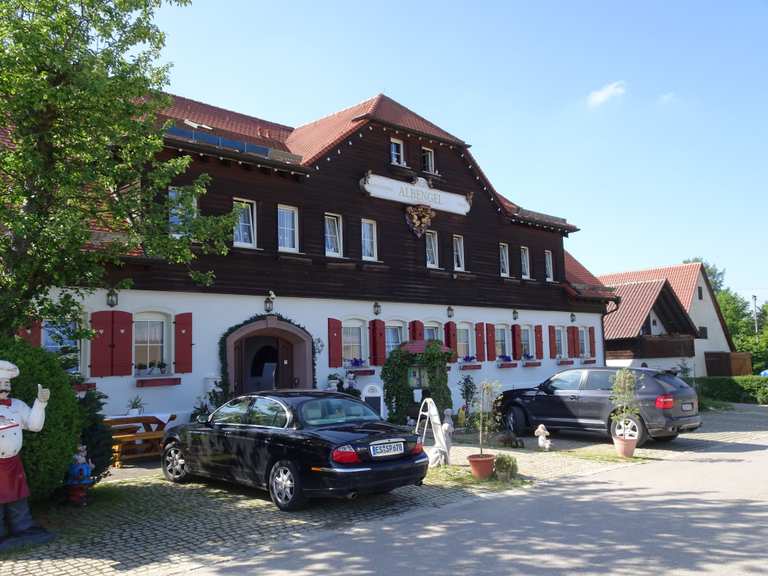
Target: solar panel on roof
[218,141]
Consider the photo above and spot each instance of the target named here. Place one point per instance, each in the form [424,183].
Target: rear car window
[599,380]
[335,411]
[672,380]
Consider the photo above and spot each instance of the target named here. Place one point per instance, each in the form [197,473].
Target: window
[525,341]
[432,253]
[287,228]
[266,412]
[599,380]
[458,253]
[703,334]
[150,343]
[57,338]
[433,332]
[397,152]
[181,210]
[584,342]
[335,411]
[352,344]
[502,342]
[525,263]
[394,337]
[333,239]
[701,293]
[566,380]
[549,267]
[463,342]
[428,160]
[559,339]
[370,247]
[245,228]
[233,412]
[504,259]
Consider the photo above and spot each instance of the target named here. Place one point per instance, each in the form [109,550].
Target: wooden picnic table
[136,436]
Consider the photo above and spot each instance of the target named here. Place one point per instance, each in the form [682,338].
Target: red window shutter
[416,330]
[539,336]
[33,334]
[183,343]
[552,342]
[334,343]
[101,344]
[480,341]
[122,343]
[573,342]
[517,342]
[576,346]
[378,342]
[592,341]
[490,342]
[450,339]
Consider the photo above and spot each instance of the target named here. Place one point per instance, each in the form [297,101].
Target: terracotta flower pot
[625,447]
[481,465]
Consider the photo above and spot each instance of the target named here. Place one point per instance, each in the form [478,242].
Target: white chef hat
[8,370]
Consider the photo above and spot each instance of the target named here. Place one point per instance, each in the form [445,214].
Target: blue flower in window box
[504,357]
[468,359]
[528,356]
[357,363]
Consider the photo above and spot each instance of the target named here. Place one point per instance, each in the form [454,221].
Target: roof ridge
[632,282]
[338,112]
[651,269]
[241,114]
[381,97]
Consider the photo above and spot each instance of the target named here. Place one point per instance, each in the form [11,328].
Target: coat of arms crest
[419,219]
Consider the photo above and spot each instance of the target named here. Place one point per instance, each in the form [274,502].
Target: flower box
[506,364]
[535,364]
[470,366]
[565,362]
[589,361]
[361,371]
[84,386]
[152,382]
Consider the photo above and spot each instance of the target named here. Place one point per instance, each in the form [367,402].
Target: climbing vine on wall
[398,395]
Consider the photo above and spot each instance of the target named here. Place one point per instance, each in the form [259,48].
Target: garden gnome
[15,416]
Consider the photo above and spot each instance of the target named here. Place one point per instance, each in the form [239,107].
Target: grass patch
[461,476]
[710,404]
[604,454]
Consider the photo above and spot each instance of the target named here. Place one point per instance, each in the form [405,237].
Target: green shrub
[96,435]
[746,389]
[46,454]
[505,467]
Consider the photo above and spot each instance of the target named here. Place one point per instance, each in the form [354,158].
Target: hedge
[746,389]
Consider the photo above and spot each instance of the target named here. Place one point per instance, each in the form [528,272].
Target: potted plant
[152,365]
[135,406]
[623,396]
[482,464]
[467,359]
[163,367]
[141,369]
[334,381]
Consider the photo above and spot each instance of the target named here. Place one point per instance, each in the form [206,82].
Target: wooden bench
[135,437]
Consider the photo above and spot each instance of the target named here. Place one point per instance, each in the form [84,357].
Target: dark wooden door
[285,364]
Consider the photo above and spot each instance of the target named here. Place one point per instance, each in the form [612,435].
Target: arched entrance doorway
[269,353]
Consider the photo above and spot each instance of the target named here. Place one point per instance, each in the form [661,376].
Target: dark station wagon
[580,400]
[297,444]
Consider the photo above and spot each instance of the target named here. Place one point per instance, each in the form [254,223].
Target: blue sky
[644,124]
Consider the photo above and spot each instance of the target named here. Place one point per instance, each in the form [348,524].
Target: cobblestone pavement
[141,524]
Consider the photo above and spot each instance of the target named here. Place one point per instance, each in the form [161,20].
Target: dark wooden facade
[401,275]
[666,346]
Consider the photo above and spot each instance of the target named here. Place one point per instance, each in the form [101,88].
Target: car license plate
[687,406]
[391,449]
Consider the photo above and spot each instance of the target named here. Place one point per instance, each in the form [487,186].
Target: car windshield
[335,411]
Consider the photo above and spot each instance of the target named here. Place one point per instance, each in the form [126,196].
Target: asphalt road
[705,513]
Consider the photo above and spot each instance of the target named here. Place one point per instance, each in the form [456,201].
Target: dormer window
[397,152]
[428,160]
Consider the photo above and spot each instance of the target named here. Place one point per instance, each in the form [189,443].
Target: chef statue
[15,416]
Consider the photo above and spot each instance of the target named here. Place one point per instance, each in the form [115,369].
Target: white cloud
[668,98]
[601,96]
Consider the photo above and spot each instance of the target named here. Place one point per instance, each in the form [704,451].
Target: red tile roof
[583,281]
[637,300]
[684,278]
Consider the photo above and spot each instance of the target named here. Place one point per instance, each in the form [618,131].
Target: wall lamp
[449,311]
[376,308]
[112,299]
[269,302]
[515,314]
[573,317]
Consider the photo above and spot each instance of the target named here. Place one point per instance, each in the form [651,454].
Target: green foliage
[746,389]
[486,416]
[468,389]
[96,435]
[623,395]
[505,467]
[398,395]
[46,454]
[80,89]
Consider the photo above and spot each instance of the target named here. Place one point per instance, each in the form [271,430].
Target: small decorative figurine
[79,477]
[448,433]
[16,524]
[542,434]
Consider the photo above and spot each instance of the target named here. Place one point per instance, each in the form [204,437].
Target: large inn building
[370,227]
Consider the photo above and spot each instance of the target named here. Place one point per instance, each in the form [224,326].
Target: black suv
[580,400]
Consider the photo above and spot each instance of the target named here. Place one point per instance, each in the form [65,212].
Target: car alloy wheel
[283,485]
[174,463]
[627,428]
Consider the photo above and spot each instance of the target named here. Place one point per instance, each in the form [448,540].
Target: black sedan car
[581,400]
[297,444]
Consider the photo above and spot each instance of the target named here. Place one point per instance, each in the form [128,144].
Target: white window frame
[430,167]
[526,341]
[525,263]
[339,232]
[392,159]
[167,349]
[561,350]
[504,259]
[549,265]
[375,234]
[431,234]
[390,326]
[295,212]
[252,211]
[470,348]
[504,340]
[584,344]
[461,265]
[357,324]
[434,326]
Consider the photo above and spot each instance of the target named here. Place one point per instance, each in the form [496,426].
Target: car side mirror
[545,387]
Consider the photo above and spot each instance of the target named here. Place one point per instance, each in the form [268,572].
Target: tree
[716,275]
[736,312]
[82,182]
